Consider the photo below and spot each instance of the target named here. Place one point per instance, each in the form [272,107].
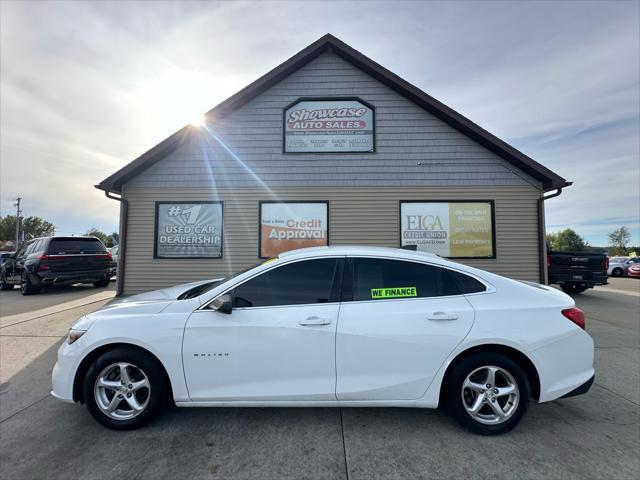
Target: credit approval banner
[331,125]
[449,229]
[188,230]
[289,225]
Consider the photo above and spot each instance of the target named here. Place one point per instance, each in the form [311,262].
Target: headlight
[74,335]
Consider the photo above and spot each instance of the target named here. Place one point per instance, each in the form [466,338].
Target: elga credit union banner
[448,229]
[287,226]
[188,230]
[329,126]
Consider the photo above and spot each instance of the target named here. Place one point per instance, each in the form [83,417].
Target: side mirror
[223,303]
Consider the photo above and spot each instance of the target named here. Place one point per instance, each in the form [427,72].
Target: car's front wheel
[488,393]
[125,389]
[617,272]
[4,285]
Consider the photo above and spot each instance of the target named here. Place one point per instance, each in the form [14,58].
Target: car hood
[162,295]
[147,303]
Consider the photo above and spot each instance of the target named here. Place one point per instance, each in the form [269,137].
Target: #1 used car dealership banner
[287,226]
[188,230]
[329,126]
[449,229]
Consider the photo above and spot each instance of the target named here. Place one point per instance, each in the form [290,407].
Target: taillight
[575,315]
[43,266]
[548,261]
[606,263]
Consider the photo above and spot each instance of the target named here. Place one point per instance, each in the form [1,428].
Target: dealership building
[328,148]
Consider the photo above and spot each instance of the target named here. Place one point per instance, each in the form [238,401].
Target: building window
[188,230]
[453,229]
[290,225]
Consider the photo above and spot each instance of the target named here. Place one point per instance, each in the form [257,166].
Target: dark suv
[56,260]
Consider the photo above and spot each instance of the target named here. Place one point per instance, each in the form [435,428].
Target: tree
[94,232]
[566,240]
[31,227]
[619,239]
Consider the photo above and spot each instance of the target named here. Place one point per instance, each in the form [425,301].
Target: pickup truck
[574,272]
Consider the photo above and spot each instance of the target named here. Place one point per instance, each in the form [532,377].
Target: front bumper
[64,370]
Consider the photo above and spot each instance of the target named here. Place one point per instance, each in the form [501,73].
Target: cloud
[88,86]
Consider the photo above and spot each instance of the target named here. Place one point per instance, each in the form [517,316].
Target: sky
[86,87]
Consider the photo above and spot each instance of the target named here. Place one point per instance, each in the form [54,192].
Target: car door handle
[442,316]
[309,321]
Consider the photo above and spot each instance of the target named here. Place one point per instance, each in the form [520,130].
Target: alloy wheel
[490,395]
[122,391]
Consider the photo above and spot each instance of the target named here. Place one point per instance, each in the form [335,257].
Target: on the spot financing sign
[188,230]
[287,226]
[329,126]
[449,229]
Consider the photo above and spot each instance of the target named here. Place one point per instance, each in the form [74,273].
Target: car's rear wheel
[488,393]
[573,288]
[26,285]
[3,283]
[101,283]
[617,272]
[125,389]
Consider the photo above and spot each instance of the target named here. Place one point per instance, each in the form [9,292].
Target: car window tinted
[39,245]
[67,246]
[379,279]
[30,248]
[465,283]
[308,281]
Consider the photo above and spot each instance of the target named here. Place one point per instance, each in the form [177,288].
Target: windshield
[205,287]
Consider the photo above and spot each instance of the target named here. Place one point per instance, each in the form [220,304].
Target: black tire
[3,283]
[101,283]
[26,285]
[156,395]
[572,289]
[617,272]
[454,393]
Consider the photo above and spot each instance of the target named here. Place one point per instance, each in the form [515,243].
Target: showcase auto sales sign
[329,126]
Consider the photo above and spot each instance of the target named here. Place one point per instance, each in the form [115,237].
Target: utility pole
[18,213]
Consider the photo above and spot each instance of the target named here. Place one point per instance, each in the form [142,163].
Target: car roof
[357,250]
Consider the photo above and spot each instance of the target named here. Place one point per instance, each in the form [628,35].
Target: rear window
[465,283]
[67,246]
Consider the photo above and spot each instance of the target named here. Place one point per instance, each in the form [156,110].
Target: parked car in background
[574,272]
[618,266]
[4,256]
[634,270]
[114,255]
[332,327]
[56,260]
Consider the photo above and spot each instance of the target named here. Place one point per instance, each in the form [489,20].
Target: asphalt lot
[596,435]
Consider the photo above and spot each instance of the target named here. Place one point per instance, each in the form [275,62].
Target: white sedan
[332,327]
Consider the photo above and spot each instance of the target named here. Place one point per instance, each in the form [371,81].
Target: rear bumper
[575,278]
[49,278]
[584,388]
[565,365]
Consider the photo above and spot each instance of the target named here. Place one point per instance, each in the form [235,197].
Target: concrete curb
[23,317]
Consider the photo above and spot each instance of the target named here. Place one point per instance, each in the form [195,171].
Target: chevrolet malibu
[332,327]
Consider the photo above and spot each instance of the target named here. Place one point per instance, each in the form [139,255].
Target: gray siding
[245,148]
[357,215]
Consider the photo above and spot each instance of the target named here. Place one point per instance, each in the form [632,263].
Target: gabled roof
[328,42]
